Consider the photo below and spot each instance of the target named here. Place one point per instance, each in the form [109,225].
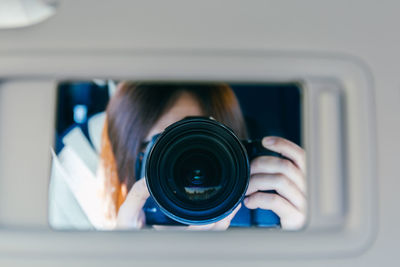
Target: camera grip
[260,217]
[255,149]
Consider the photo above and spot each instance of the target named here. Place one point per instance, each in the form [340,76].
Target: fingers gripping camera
[197,172]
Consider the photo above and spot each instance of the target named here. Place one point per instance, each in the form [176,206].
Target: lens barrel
[197,171]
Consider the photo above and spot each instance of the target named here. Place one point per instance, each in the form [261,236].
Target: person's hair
[136,107]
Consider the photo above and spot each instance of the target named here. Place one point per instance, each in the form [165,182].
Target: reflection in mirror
[177,155]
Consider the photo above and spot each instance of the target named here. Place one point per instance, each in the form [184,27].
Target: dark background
[269,109]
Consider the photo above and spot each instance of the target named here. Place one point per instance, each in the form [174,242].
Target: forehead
[185,105]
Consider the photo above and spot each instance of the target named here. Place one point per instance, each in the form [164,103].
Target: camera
[197,172]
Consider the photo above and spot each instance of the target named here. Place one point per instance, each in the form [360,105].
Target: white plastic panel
[347,82]
[27,118]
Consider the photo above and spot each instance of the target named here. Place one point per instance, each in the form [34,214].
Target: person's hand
[131,214]
[286,177]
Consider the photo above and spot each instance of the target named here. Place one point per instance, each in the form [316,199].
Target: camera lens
[197,171]
[197,175]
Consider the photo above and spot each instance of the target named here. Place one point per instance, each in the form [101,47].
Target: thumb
[138,195]
[224,223]
[130,214]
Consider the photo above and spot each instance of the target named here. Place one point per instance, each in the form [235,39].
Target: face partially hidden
[285,176]
[186,105]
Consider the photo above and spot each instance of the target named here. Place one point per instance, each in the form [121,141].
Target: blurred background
[269,109]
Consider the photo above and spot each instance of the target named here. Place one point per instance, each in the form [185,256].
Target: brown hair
[136,107]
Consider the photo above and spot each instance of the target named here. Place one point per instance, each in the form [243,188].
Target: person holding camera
[139,111]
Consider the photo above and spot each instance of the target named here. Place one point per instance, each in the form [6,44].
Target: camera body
[197,172]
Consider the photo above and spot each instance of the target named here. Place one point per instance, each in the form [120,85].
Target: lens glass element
[197,175]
